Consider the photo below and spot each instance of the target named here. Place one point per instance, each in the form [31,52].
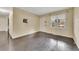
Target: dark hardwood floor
[42,42]
[4,45]
[37,42]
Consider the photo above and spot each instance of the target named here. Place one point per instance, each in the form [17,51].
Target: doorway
[4,25]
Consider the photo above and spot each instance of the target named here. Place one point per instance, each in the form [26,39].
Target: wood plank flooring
[39,41]
[42,42]
[4,45]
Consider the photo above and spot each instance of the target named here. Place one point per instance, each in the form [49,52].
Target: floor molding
[36,32]
[56,35]
[23,35]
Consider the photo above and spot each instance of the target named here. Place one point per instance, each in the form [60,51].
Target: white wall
[20,28]
[46,27]
[11,22]
[35,23]
[3,23]
[76,26]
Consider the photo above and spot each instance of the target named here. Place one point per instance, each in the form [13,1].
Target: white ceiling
[42,10]
[4,11]
[35,10]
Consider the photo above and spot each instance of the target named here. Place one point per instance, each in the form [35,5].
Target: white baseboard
[57,34]
[75,40]
[17,36]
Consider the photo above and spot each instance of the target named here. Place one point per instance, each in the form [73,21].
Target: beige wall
[76,25]
[20,28]
[11,22]
[3,23]
[36,23]
[46,27]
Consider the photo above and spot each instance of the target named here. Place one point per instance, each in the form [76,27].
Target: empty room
[44,29]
